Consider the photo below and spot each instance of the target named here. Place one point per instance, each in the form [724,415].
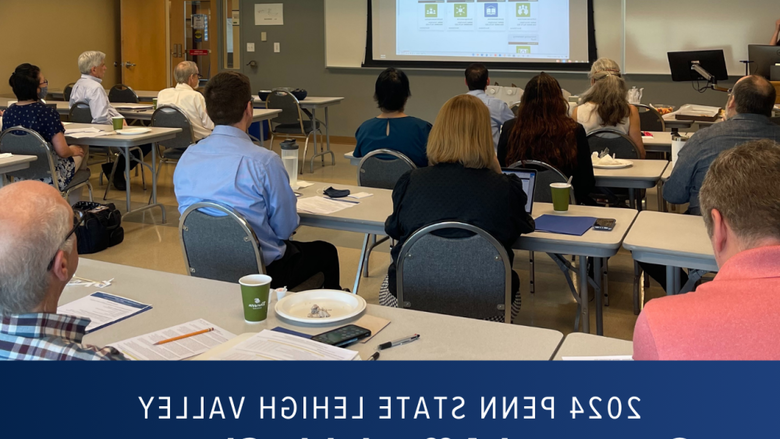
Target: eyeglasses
[78,218]
[45,82]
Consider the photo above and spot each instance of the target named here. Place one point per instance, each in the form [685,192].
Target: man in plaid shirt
[38,256]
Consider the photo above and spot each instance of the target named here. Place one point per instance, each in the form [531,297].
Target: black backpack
[101,229]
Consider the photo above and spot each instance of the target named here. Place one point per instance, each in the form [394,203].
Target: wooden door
[145,60]
[178,43]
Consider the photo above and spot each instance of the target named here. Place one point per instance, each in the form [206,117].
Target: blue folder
[565,225]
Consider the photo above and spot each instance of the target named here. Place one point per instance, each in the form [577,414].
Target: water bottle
[290,160]
[678,142]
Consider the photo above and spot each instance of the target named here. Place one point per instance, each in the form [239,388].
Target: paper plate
[621,165]
[133,131]
[339,304]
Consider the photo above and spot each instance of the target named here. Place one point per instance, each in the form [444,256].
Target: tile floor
[150,244]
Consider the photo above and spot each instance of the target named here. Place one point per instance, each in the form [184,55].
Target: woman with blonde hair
[605,104]
[464,183]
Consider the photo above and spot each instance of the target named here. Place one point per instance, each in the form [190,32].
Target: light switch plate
[250,47]
[263,36]
[277,48]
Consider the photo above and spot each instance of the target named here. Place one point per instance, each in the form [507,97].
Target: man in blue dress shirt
[477,79]
[228,169]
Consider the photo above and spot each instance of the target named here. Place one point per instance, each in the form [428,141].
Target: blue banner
[383,400]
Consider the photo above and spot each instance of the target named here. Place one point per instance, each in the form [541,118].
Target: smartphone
[344,336]
[604,224]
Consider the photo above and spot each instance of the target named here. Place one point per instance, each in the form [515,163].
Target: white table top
[642,175]
[660,141]
[310,101]
[667,173]
[593,243]
[178,299]
[62,107]
[578,344]
[16,162]
[367,217]
[258,115]
[118,140]
[671,239]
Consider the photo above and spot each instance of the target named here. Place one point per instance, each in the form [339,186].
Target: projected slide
[516,31]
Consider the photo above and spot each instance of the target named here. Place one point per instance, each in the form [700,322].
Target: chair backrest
[291,108]
[515,107]
[171,116]
[220,247]
[122,93]
[650,119]
[80,113]
[464,276]
[67,91]
[618,143]
[546,174]
[22,141]
[382,168]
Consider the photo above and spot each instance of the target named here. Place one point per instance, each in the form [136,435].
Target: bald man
[38,256]
[747,118]
[191,102]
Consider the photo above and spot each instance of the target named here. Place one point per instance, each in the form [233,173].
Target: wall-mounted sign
[198,52]
[269,14]
[199,21]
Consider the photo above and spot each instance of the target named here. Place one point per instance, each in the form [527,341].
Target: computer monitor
[713,61]
[528,177]
[762,58]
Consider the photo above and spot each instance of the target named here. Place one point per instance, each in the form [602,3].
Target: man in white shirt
[191,102]
[477,80]
[89,89]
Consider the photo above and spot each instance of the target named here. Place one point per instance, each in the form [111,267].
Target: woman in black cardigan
[544,131]
[464,183]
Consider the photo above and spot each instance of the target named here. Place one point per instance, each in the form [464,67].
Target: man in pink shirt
[737,315]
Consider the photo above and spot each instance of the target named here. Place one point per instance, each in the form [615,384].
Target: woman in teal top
[393,129]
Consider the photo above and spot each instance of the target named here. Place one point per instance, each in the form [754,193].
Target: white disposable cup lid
[560,185]
[255,280]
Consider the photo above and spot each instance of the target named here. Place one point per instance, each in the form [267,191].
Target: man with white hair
[89,89]
[191,102]
[38,256]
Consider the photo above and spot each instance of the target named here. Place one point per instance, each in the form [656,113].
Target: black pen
[342,200]
[373,357]
[392,344]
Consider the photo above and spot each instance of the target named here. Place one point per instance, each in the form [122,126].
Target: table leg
[154,185]
[584,302]
[637,279]
[360,264]
[327,138]
[314,125]
[677,286]
[126,152]
[670,273]
[661,202]
[597,274]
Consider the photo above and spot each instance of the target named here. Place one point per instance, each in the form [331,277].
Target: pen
[184,336]
[392,344]
[373,357]
[343,201]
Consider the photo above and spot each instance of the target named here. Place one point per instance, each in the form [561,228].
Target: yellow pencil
[184,336]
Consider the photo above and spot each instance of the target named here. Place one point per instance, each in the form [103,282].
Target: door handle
[252,64]
[129,64]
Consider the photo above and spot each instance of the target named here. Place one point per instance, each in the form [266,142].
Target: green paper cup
[254,295]
[560,196]
[118,122]
[154,103]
